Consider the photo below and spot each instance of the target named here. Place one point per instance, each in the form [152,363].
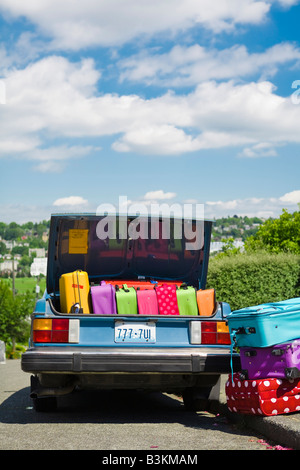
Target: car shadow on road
[111,406]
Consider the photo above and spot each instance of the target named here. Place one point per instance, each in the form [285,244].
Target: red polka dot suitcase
[167,299]
[265,397]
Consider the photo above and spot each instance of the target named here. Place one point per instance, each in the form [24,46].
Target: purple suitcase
[278,361]
[147,302]
[103,299]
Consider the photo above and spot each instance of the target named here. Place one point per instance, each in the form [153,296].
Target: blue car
[182,354]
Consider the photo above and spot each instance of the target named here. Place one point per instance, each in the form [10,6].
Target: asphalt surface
[284,429]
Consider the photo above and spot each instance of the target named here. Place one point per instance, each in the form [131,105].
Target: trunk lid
[129,248]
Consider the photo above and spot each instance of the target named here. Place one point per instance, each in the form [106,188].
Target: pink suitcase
[265,397]
[281,361]
[147,302]
[167,299]
[104,299]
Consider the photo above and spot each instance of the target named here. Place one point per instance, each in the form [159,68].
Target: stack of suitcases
[132,297]
[268,339]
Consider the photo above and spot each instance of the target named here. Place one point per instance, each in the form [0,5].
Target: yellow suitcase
[74,289]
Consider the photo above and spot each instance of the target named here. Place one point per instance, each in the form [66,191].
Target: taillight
[60,330]
[209,332]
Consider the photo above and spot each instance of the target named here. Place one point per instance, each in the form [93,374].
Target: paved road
[110,421]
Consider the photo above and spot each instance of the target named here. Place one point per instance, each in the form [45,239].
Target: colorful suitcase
[266,324]
[147,302]
[103,299]
[281,361]
[206,301]
[141,283]
[74,289]
[126,300]
[267,397]
[135,284]
[167,299]
[186,300]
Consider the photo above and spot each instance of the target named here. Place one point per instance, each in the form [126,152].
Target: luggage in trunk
[136,284]
[267,397]
[74,290]
[187,301]
[206,301]
[141,283]
[126,300]
[103,299]
[266,324]
[147,302]
[281,360]
[167,299]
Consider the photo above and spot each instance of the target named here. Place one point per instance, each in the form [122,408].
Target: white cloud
[263,149]
[158,195]
[70,201]
[189,65]
[58,99]
[74,24]
[291,198]
[253,206]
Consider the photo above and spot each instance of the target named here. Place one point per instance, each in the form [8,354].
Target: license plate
[135,332]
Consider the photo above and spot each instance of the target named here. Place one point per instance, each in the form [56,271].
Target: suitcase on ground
[167,299]
[186,300]
[281,361]
[103,299]
[266,324]
[268,397]
[74,290]
[206,301]
[126,300]
[147,302]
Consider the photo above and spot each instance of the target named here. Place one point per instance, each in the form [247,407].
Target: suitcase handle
[277,352]
[250,353]
[245,331]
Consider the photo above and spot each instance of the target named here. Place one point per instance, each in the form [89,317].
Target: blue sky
[174,101]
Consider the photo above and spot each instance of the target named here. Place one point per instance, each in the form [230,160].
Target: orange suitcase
[206,301]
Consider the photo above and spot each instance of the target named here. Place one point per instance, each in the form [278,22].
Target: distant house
[40,252]
[6,266]
[39,266]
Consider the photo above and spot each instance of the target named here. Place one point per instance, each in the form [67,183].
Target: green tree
[15,314]
[277,235]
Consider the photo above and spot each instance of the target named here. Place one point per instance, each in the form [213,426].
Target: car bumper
[121,360]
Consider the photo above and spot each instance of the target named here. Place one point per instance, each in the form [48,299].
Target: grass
[23,284]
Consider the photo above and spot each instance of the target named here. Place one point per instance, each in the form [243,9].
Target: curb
[282,429]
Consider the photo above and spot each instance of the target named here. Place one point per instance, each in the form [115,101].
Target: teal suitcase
[126,300]
[187,300]
[266,324]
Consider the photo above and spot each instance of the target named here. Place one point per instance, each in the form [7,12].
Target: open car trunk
[127,248]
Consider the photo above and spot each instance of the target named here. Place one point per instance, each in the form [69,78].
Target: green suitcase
[187,300]
[126,300]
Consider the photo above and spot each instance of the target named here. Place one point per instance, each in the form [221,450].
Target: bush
[249,279]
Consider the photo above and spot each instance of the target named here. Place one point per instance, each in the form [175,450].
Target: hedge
[245,279]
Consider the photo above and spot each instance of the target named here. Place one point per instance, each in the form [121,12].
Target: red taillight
[208,332]
[42,336]
[51,331]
